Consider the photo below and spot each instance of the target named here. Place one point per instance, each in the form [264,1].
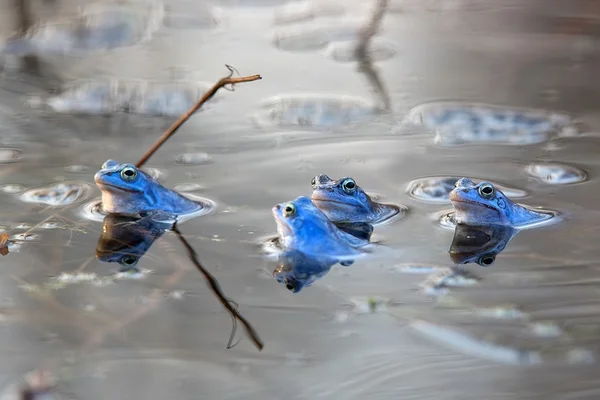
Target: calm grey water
[527,327]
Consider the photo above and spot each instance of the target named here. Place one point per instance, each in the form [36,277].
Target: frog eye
[128,173]
[128,260]
[486,190]
[349,185]
[289,285]
[314,183]
[289,209]
[486,261]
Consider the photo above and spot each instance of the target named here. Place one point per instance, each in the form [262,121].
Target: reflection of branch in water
[214,285]
[361,52]
[24,20]
[228,80]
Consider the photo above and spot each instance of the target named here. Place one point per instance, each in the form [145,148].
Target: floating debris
[8,155]
[556,173]
[3,243]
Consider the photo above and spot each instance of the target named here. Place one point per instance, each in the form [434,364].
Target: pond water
[499,91]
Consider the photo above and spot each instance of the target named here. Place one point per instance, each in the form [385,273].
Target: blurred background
[349,88]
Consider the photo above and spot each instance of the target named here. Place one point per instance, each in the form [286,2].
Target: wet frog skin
[343,201]
[483,204]
[128,190]
[303,227]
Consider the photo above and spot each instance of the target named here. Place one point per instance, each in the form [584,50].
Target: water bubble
[193,159]
[56,194]
[436,189]
[9,155]
[378,50]
[314,111]
[556,173]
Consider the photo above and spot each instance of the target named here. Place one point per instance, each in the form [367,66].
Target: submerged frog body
[343,201]
[297,270]
[479,244]
[484,204]
[305,228]
[128,190]
[125,239]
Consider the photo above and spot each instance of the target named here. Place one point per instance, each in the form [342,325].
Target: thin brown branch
[228,80]
[216,288]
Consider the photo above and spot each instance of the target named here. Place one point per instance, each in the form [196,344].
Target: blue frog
[129,190]
[343,201]
[303,227]
[484,204]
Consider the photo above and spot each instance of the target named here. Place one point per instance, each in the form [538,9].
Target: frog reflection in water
[297,270]
[125,239]
[344,201]
[128,190]
[479,244]
[483,204]
[305,228]
[312,244]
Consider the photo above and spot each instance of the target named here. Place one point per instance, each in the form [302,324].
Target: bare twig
[365,64]
[228,80]
[214,285]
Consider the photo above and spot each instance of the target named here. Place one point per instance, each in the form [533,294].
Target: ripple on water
[436,189]
[189,15]
[300,38]
[304,11]
[446,218]
[456,123]
[315,111]
[379,50]
[92,210]
[56,194]
[102,26]
[104,96]
[8,155]
[555,173]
